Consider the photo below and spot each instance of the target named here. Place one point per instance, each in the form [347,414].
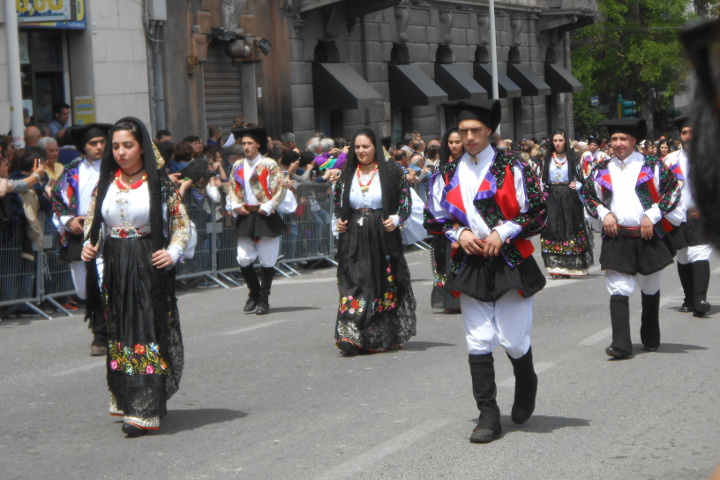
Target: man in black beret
[71,199]
[693,248]
[635,197]
[593,156]
[257,188]
[488,204]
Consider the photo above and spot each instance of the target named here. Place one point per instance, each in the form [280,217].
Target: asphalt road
[271,397]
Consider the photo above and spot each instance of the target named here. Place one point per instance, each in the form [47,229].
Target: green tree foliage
[634,50]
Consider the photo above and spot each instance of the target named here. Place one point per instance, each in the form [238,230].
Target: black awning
[506,87]
[458,84]
[411,87]
[337,86]
[561,80]
[531,84]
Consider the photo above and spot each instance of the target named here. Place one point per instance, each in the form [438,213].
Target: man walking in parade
[256,190]
[693,249]
[633,195]
[488,204]
[71,199]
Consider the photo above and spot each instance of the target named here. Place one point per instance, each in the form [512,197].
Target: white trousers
[78,272]
[505,322]
[265,249]
[623,284]
[694,254]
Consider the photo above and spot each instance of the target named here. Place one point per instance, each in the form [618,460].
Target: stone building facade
[321,65]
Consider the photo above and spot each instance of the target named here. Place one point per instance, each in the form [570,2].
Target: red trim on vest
[656,198]
[263,182]
[506,199]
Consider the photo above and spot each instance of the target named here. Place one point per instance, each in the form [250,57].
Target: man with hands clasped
[635,196]
[487,204]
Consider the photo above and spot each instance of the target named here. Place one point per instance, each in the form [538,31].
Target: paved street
[270,397]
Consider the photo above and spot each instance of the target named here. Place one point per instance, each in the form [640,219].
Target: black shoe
[701,308]
[250,305]
[98,350]
[686,308]
[648,348]
[616,354]
[348,348]
[133,430]
[262,308]
[484,435]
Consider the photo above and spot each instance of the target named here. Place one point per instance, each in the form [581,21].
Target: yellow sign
[65,14]
[84,110]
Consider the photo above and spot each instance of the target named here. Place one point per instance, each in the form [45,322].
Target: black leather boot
[526,382]
[253,285]
[266,279]
[621,346]
[685,272]
[482,372]
[650,322]
[701,278]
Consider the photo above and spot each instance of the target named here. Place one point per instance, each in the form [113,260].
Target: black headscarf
[351,166]
[158,186]
[572,159]
[445,153]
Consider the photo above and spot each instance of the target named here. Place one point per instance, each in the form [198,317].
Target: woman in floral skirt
[566,244]
[138,225]
[372,199]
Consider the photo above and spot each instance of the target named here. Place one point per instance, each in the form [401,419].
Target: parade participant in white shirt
[693,249]
[488,204]
[634,196]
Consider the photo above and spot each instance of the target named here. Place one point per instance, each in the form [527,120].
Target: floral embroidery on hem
[141,359]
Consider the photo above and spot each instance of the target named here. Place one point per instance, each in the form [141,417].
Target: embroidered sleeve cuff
[508,230]
[454,234]
[654,213]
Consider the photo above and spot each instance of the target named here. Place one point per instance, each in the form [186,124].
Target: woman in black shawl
[566,245]
[372,199]
[451,149]
[138,224]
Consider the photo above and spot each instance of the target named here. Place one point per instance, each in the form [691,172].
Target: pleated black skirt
[377,305]
[488,279]
[631,255]
[145,354]
[255,225]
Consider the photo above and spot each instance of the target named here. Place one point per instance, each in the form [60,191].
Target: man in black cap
[71,199]
[257,187]
[633,195]
[693,249]
[593,156]
[488,204]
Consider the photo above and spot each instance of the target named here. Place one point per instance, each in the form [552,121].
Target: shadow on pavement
[543,424]
[289,309]
[673,348]
[181,420]
[422,346]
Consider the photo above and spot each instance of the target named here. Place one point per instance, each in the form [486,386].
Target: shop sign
[84,110]
[60,14]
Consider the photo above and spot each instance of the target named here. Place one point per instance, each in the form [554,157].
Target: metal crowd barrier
[308,238]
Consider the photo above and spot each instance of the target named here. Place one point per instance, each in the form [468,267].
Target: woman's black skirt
[488,279]
[255,225]
[632,255]
[377,305]
[145,354]
[565,242]
[441,298]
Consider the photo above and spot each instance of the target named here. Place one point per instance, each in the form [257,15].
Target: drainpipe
[569,99]
[14,79]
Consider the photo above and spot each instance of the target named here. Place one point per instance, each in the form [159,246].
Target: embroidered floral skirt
[377,305]
[145,354]
[441,298]
[566,244]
